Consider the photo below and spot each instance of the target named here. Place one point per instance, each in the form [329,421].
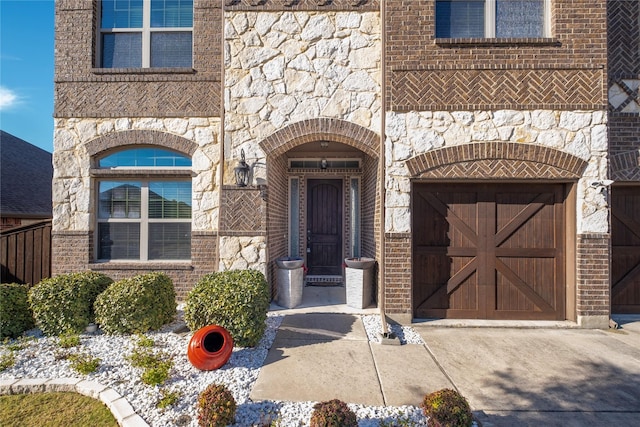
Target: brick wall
[593,275]
[278,215]
[82,90]
[73,253]
[565,71]
[397,276]
[624,69]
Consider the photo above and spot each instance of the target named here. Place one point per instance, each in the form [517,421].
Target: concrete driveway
[543,377]
[511,376]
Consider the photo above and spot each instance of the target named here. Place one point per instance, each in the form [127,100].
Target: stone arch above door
[493,160]
[322,129]
[140,137]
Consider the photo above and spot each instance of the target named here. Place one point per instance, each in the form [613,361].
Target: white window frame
[490,18]
[144,219]
[146,31]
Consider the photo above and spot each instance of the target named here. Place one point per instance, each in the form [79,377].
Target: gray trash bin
[289,281]
[359,281]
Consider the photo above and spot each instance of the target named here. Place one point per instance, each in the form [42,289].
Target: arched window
[141,213]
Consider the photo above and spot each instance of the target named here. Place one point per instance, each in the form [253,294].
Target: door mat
[324,281]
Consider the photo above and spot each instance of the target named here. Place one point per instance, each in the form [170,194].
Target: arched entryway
[322,180]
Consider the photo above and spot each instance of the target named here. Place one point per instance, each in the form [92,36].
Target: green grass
[54,410]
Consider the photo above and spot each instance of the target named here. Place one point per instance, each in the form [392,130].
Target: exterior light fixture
[323,163]
[242,171]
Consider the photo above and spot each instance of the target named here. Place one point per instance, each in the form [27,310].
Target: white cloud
[8,98]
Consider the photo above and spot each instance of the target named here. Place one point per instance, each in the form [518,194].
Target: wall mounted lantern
[242,171]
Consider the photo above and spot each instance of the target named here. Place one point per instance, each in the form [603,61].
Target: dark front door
[625,250]
[324,227]
[489,251]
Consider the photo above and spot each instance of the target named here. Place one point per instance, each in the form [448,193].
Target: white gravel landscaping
[40,358]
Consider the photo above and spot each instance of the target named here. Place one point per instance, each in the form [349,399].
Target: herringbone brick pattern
[493,89]
[493,160]
[138,99]
[623,39]
[242,211]
[84,90]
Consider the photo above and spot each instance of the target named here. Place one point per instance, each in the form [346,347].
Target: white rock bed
[38,360]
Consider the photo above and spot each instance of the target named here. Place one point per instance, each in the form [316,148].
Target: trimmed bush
[15,313]
[216,407]
[136,304]
[64,304]
[447,408]
[237,300]
[333,413]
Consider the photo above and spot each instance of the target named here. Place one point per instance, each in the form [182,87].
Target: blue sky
[26,70]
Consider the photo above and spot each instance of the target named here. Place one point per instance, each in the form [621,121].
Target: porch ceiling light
[242,171]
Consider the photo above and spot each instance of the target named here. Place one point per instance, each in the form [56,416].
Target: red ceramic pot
[210,347]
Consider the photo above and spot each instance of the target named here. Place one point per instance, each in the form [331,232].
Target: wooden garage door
[488,251]
[625,250]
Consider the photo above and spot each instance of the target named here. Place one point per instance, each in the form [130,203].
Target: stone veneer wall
[582,134]
[76,144]
[290,67]
[287,67]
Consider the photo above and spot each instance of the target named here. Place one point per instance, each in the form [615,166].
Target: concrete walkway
[511,376]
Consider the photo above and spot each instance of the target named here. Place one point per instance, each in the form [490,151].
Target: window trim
[146,32]
[143,220]
[490,29]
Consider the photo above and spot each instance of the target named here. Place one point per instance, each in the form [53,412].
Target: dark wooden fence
[25,253]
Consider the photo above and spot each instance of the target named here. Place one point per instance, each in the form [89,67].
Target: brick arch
[625,166]
[130,138]
[334,130]
[493,160]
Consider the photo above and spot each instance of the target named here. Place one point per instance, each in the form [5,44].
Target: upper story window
[146,33]
[492,18]
[143,216]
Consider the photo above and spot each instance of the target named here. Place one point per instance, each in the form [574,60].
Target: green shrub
[137,304]
[333,413]
[7,360]
[65,303]
[447,408]
[216,407]
[68,340]
[237,300]
[168,398]
[15,313]
[84,363]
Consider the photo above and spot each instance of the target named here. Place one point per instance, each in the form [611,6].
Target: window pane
[519,18]
[459,19]
[141,157]
[121,14]
[170,200]
[119,199]
[171,49]
[122,50]
[169,241]
[120,240]
[171,13]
